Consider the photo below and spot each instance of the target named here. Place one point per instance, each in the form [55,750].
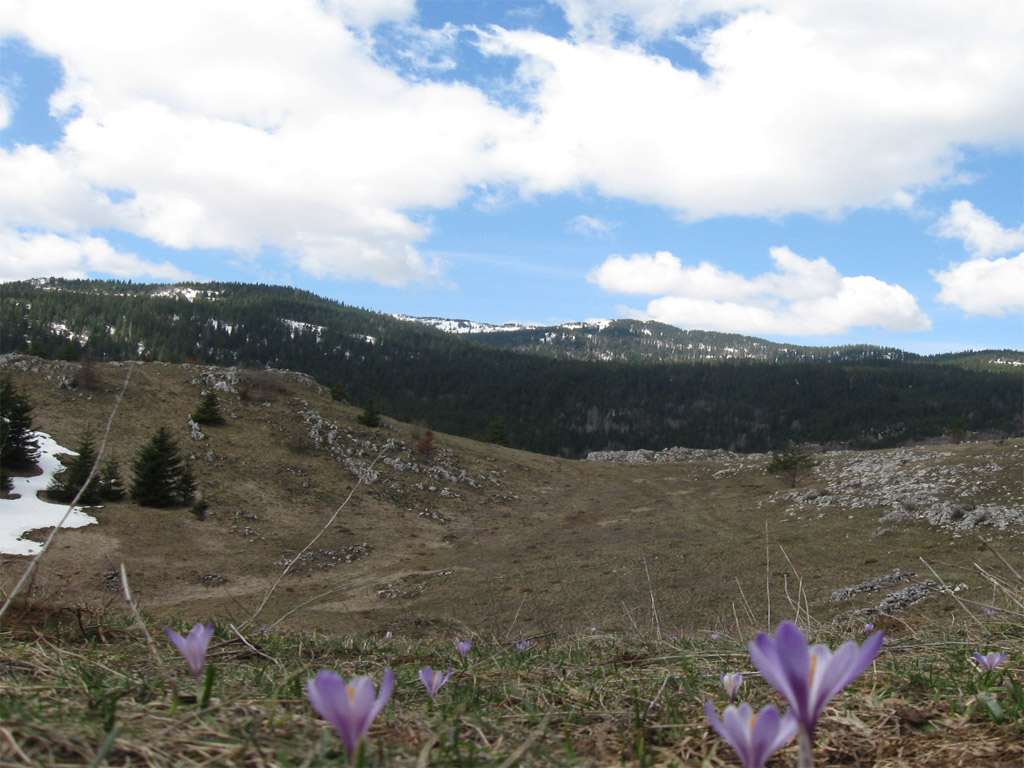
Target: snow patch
[29,512]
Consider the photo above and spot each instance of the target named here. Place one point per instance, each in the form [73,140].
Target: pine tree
[497,432]
[109,486]
[161,479]
[18,446]
[791,464]
[208,411]
[66,484]
[339,393]
[370,417]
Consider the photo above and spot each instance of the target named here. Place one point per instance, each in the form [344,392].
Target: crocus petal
[193,647]
[809,678]
[349,707]
[755,737]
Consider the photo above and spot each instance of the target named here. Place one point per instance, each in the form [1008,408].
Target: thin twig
[287,568]
[654,610]
[33,564]
[516,617]
[768,572]
[949,591]
[252,647]
[1002,559]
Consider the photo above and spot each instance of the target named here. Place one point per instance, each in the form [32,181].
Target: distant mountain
[566,390]
[649,341]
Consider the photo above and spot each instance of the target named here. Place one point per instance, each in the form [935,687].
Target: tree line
[566,407]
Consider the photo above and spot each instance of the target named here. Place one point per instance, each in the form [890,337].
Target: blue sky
[817,173]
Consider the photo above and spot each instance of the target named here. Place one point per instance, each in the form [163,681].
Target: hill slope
[482,536]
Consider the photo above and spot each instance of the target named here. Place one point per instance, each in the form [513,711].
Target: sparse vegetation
[583,699]
[792,464]
[634,586]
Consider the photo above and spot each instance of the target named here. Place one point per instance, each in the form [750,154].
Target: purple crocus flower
[754,736]
[809,677]
[463,647]
[193,647]
[869,628]
[989,661]
[524,645]
[731,683]
[989,612]
[433,680]
[350,707]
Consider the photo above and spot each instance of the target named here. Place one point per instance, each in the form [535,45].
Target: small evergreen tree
[161,479]
[66,484]
[109,486]
[497,432]
[370,417]
[208,411]
[339,393]
[186,486]
[791,464]
[18,446]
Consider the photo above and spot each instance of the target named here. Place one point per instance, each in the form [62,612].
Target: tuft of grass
[85,692]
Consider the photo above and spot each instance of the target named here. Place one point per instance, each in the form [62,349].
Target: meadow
[603,600]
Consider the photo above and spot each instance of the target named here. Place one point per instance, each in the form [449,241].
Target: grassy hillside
[639,578]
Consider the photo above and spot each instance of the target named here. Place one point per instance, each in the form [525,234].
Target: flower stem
[803,738]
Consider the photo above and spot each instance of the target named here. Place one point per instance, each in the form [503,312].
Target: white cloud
[984,285]
[5,108]
[801,298]
[274,123]
[810,107]
[240,127]
[24,256]
[982,235]
[588,225]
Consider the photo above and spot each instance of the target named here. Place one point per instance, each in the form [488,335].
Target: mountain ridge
[559,404]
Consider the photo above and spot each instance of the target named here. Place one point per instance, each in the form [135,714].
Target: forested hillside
[453,383]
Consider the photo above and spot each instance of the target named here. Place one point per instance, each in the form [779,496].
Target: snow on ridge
[300,327]
[472,326]
[464,326]
[182,292]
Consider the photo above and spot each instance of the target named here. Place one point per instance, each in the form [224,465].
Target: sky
[808,172]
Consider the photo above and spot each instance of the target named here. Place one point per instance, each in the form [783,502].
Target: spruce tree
[208,411]
[65,485]
[161,479]
[791,464]
[370,417]
[109,486]
[497,432]
[18,446]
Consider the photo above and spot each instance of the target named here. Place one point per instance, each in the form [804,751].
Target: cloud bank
[984,285]
[277,124]
[800,298]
